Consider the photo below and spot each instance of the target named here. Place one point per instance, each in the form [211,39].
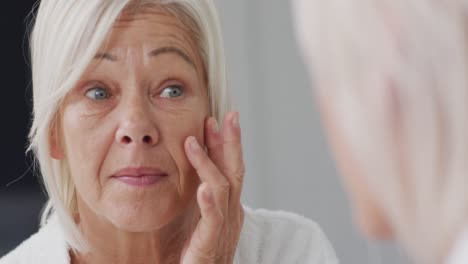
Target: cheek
[368,214]
[175,133]
[86,141]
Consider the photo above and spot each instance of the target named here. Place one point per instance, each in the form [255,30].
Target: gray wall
[288,165]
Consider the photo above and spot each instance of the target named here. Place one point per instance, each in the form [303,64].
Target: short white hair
[394,74]
[65,37]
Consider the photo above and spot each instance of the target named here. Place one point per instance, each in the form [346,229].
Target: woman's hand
[221,171]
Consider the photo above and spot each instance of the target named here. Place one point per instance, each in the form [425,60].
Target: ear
[56,151]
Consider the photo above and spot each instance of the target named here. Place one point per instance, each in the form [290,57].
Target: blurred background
[21,197]
[288,164]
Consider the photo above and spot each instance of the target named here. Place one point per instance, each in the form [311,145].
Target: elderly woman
[393,90]
[127,100]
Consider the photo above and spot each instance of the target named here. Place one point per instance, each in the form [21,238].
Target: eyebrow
[174,50]
[153,53]
[105,56]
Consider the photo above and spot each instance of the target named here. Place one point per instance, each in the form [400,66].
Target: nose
[136,127]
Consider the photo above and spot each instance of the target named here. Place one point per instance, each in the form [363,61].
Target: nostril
[126,140]
[147,139]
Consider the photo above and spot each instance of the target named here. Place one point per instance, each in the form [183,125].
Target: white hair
[394,73]
[65,38]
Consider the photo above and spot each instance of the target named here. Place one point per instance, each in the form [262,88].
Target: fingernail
[194,146]
[214,125]
[235,120]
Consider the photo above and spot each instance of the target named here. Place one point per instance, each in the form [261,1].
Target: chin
[141,222]
[143,217]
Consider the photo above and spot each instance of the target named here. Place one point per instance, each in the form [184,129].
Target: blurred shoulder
[282,237]
[46,246]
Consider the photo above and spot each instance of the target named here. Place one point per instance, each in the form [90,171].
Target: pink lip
[143,176]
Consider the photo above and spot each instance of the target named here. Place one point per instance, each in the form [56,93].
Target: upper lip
[139,172]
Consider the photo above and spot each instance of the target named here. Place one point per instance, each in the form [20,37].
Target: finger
[206,169]
[234,169]
[209,173]
[214,143]
[203,244]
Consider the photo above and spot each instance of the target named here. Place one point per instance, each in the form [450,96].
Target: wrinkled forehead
[140,32]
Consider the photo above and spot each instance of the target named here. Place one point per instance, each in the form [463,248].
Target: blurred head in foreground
[391,80]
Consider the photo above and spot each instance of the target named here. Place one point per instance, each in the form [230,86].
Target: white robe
[267,237]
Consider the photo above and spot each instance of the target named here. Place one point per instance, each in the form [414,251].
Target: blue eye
[97,93]
[172,91]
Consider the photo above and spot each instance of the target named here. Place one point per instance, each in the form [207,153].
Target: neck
[112,245]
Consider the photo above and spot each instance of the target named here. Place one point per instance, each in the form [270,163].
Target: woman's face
[123,125]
